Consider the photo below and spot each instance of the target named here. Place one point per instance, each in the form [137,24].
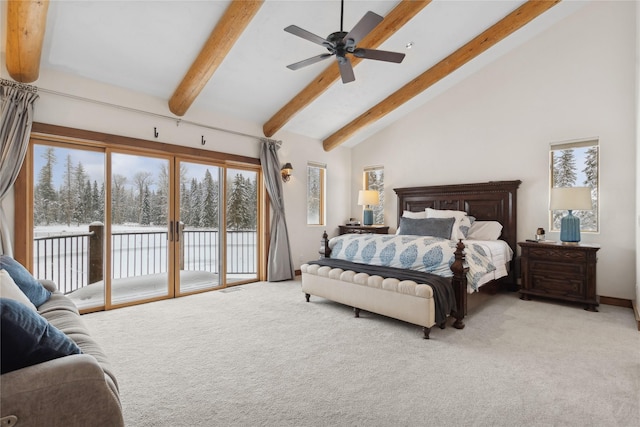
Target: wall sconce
[286,172]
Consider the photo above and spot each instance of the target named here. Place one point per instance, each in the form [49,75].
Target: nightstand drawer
[557,279]
[560,254]
[364,229]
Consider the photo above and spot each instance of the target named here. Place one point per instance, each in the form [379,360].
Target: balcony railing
[76,260]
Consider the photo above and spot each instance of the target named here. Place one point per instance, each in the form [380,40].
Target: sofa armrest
[70,390]
[49,285]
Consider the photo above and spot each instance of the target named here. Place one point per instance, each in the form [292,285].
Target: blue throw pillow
[28,339]
[436,227]
[33,289]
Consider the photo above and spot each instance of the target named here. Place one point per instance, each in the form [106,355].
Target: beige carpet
[259,355]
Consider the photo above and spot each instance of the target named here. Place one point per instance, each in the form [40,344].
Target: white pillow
[460,226]
[485,230]
[412,215]
[9,289]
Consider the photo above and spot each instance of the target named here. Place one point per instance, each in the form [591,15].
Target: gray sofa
[75,390]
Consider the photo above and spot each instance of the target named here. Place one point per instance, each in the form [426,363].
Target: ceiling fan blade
[308,61]
[346,70]
[297,31]
[379,55]
[362,28]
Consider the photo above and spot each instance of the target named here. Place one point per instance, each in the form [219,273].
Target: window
[115,225]
[374,180]
[316,193]
[575,164]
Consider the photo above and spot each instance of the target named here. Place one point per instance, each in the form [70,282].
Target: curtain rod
[149,113]
[134,110]
[18,85]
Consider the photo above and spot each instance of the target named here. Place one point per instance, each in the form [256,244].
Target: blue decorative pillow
[436,227]
[28,339]
[33,289]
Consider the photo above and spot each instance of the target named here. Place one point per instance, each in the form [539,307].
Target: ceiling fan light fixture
[341,43]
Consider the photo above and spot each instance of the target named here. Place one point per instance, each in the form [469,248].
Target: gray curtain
[15,128]
[279,264]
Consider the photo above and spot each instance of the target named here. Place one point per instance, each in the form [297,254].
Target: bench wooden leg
[426,332]
[356,311]
[307,296]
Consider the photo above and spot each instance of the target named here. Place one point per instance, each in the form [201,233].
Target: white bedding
[422,253]
[500,254]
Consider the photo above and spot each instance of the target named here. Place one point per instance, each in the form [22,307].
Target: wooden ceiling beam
[222,38]
[26,23]
[399,16]
[508,25]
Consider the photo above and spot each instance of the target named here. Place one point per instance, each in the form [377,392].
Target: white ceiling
[148,46]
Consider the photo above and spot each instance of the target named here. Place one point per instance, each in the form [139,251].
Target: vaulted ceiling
[230,57]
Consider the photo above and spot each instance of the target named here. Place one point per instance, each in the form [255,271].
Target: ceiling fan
[342,43]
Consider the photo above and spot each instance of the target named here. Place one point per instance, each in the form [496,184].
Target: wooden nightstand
[364,229]
[561,271]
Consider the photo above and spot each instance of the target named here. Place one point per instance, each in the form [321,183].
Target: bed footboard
[459,283]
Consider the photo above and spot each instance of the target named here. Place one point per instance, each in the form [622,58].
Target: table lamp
[570,199]
[367,198]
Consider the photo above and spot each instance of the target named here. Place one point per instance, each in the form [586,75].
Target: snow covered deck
[147,286]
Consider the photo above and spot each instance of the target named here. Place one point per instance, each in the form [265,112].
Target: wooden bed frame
[486,201]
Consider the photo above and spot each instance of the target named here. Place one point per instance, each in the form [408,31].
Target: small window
[575,164]
[374,180]
[316,179]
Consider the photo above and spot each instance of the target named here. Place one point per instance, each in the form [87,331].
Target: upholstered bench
[404,300]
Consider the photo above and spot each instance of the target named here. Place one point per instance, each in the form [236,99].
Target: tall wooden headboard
[486,201]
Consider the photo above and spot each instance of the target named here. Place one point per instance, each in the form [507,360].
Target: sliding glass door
[115,227]
[242,225]
[68,221]
[200,239]
[141,231]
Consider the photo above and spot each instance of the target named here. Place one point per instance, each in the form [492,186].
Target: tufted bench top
[408,287]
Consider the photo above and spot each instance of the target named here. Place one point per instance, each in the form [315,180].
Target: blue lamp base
[570,228]
[367,217]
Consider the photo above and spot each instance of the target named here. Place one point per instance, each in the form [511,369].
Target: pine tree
[45,197]
[67,199]
[564,169]
[237,204]
[313,196]
[118,198]
[97,204]
[146,207]
[185,204]
[195,203]
[208,217]
[252,203]
[161,200]
[79,194]
[141,180]
[589,219]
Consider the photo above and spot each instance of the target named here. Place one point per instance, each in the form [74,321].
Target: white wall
[63,111]
[575,80]
[637,295]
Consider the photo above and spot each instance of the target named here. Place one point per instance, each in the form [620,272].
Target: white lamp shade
[571,198]
[368,197]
